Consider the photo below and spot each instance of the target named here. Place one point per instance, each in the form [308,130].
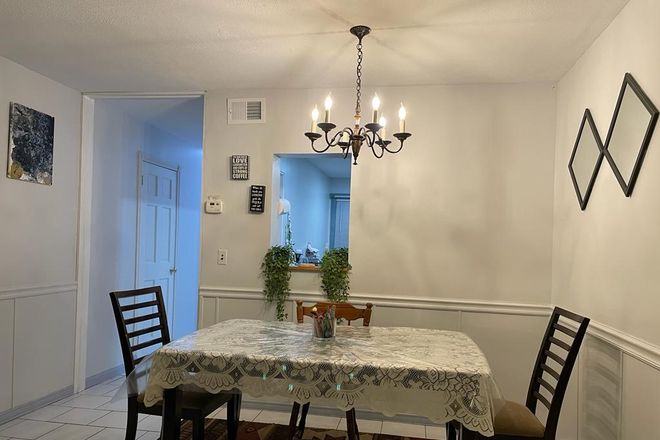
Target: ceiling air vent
[246,111]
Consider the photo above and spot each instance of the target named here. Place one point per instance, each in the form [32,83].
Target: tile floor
[91,415]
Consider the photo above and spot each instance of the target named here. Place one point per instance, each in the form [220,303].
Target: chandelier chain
[358,81]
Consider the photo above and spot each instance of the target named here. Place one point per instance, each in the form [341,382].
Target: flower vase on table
[325,324]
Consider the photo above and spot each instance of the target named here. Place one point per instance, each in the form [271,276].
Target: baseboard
[103,376]
[335,412]
[27,408]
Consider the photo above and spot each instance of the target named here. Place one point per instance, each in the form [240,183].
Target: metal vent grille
[246,111]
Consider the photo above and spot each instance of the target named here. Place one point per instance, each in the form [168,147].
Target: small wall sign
[257,198]
[240,167]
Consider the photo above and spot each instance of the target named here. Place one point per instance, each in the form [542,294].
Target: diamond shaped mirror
[586,159]
[630,132]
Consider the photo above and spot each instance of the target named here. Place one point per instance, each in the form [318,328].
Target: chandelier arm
[397,150]
[320,151]
[335,138]
[375,141]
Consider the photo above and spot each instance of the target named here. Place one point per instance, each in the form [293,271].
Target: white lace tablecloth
[442,375]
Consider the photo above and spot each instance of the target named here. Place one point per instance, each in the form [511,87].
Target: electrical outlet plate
[222,257]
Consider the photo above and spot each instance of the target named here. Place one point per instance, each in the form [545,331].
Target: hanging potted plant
[334,271]
[276,275]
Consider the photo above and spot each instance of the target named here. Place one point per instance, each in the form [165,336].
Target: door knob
[172,270]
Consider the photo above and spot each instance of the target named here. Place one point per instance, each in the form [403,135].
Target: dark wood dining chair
[554,364]
[349,313]
[146,306]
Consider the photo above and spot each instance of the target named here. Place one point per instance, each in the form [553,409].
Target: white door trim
[84,242]
[142,158]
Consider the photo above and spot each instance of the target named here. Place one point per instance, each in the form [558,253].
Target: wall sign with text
[240,167]
[257,198]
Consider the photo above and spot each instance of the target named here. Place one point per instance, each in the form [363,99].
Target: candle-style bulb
[402,119]
[328,106]
[382,122]
[375,102]
[315,117]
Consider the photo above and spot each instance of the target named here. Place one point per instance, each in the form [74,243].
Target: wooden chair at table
[342,311]
[519,422]
[194,406]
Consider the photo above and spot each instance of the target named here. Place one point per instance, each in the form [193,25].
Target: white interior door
[157,233]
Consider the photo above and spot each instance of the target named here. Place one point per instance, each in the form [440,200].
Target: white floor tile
[113,434]
[86,401]
[71,432]
[80,416]
[403,429]
[323,422]
[249,415]
[150,436]
[101,390]
[436,432]
[9,424]
[29,429]
[365,426]
[46,413]
[150,423]
[119,405]
[280,418]
[115,419]
[220,414]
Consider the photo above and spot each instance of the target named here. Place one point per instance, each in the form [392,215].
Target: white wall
[466,206]
[38,236]
[464,211]
[308,190]
[118,137]
[605,258]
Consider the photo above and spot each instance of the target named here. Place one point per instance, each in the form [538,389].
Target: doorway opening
[145,214]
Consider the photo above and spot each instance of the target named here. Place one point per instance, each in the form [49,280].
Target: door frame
[83,249]
[142,158]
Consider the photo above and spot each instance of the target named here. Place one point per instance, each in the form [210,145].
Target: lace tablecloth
[442,375]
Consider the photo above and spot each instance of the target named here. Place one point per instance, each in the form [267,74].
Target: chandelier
[373,133]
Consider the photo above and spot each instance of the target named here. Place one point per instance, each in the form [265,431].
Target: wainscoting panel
[6,352]
[641,400]
[397,317]
[601,377]
[43,345]
[206,311]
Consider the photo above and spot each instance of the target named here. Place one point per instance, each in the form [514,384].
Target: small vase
[324,329]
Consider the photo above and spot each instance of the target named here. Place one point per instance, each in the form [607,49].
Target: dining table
[439,374]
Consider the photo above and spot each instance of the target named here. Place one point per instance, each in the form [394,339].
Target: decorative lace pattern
[442,375]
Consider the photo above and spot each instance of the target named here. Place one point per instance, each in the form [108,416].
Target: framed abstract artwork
[31,138]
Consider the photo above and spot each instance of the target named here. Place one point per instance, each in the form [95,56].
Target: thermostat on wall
[213,205]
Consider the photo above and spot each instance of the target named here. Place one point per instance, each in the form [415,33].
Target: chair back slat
[131,341]
[342,311]
[567,341]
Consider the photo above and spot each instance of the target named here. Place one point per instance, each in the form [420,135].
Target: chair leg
[198,426]
[303,419]
[351,425]
[132,419]
[451,432]
[233,415]
[293,421]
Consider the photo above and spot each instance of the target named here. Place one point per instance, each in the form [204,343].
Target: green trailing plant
[334,271]
[276,275]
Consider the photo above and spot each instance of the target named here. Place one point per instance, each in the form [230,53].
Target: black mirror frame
[594,131]
[629,81]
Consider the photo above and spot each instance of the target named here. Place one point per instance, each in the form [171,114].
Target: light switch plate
[222,257]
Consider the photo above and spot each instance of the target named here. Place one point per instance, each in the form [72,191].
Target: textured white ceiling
[167,45]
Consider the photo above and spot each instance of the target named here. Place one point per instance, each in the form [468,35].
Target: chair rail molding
[426,303]
[28,291]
